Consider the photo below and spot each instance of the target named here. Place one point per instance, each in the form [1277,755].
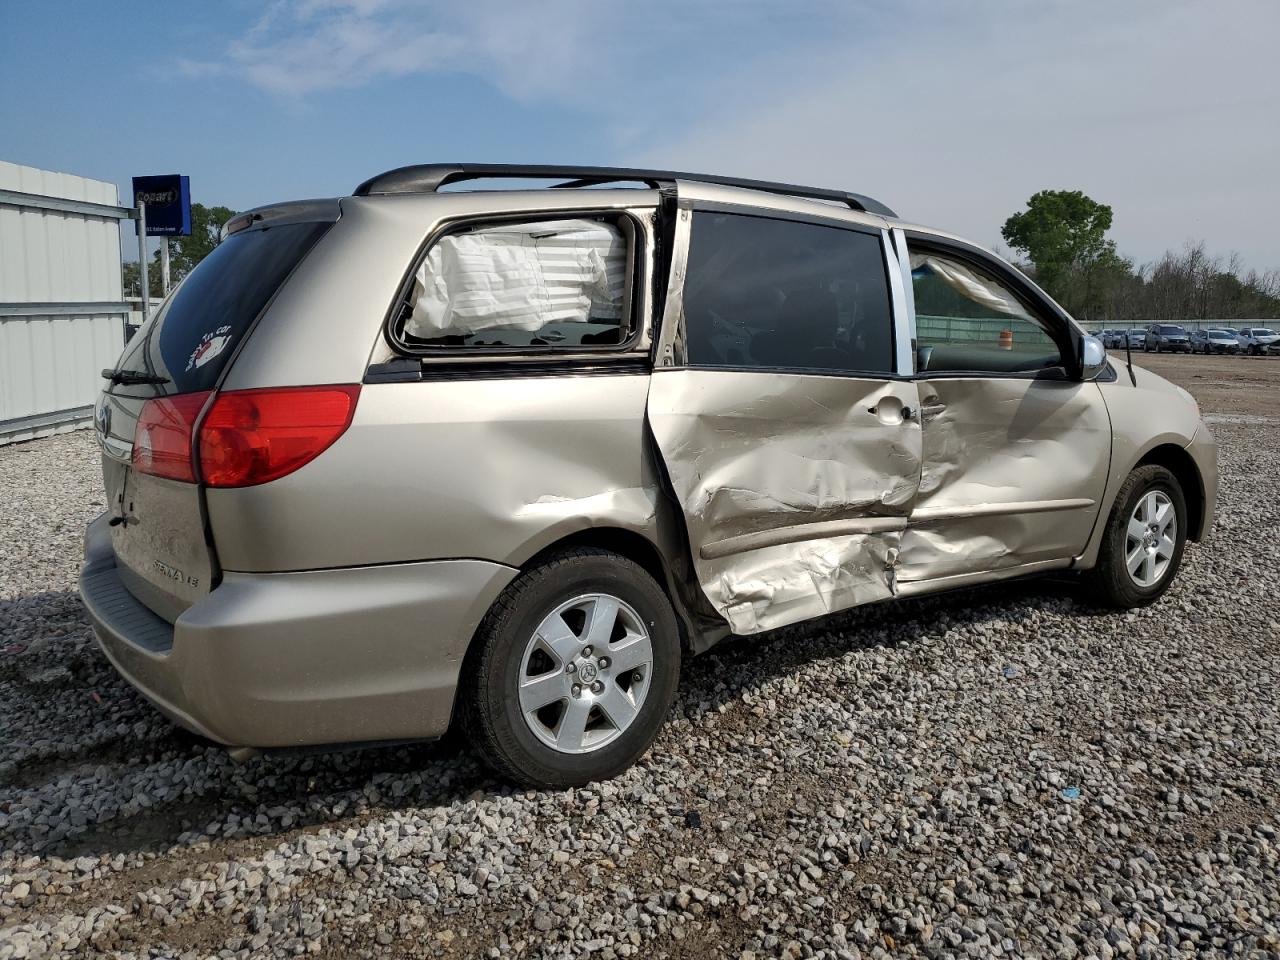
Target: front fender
[1149,421]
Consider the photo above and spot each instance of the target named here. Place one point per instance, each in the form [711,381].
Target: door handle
[891,412]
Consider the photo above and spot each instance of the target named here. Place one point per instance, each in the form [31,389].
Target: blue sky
[953,113]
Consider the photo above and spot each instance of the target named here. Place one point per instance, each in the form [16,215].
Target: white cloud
[297,49]
[1165,110]
[954,114]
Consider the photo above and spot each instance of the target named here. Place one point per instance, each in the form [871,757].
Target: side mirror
[1093,358]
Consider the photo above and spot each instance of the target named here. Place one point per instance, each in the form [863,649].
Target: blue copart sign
[168,200]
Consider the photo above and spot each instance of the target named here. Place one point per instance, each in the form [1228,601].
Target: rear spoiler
[293,211]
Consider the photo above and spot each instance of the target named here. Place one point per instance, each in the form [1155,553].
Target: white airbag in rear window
[520,277]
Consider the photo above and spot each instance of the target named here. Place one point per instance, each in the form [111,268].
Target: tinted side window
[777,293]
[967,320]
[547,283]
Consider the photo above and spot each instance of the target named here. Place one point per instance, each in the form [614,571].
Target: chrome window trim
[903,341]
[907,327]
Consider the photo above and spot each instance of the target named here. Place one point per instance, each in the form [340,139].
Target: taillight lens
[162,440]
[253,436]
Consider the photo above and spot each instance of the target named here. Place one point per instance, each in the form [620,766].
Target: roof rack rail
[430,177]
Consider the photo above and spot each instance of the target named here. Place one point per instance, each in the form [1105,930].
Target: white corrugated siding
[52,363]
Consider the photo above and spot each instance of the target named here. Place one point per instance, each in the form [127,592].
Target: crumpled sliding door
[795,488]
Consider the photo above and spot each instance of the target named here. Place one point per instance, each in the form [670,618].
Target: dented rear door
[790,440]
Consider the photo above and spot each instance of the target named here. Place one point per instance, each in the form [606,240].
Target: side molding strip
[931,514]
[803,531]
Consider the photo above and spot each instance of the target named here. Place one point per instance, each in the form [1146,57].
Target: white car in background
[1256,340]
[1137,338]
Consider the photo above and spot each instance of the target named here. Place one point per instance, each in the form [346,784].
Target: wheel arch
[1179,462]
[641,550]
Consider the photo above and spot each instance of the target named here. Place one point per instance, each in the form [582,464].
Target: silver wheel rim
[585,673]
[1150,538]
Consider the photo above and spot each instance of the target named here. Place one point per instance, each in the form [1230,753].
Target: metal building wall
[62,313]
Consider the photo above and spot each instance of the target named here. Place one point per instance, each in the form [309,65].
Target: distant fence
[987,330]
[931,329]
[62,315]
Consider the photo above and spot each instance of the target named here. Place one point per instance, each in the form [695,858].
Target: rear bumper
[295,659]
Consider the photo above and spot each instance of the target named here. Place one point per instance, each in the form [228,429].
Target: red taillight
[252,436]
[162,438]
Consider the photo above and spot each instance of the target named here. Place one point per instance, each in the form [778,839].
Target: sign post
[143,280]
[167,200]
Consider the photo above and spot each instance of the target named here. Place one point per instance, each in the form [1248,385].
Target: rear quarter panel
[484,469]
[490,469]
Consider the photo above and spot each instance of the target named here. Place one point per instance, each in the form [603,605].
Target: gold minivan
[508,455]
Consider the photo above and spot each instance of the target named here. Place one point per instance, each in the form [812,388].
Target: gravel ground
[1001,772]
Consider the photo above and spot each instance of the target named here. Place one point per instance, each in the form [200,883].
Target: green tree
[1063,232]
[184,252]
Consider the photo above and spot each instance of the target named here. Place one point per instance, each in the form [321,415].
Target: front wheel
[572,671]
[1143,541]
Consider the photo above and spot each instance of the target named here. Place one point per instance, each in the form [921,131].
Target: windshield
[190,339]
[1227,334]
[1263,332]
[1168,329]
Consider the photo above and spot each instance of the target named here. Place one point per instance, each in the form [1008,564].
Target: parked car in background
[510,456]
[1111,338]
[1272,349]
[1137,338]
[1255,340]
[1163,337]
[1214,341]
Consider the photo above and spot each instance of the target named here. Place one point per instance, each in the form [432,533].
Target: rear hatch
[164,379]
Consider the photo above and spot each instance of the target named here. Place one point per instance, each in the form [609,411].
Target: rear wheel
[573,671]
[1143,542]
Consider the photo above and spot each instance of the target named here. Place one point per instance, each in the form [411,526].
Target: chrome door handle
[892,412]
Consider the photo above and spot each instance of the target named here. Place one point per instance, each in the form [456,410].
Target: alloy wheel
[585,673]
[1150,538]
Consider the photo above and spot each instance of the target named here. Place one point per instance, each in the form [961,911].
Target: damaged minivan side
[503,458]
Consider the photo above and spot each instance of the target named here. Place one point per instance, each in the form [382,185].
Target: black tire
[489,704]
[1108,584]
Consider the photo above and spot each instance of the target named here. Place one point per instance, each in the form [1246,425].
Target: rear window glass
[193,335]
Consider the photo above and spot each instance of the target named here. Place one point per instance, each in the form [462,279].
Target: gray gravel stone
[878,784]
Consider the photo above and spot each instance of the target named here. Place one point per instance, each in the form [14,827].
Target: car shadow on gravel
[275,795]
[892,624]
